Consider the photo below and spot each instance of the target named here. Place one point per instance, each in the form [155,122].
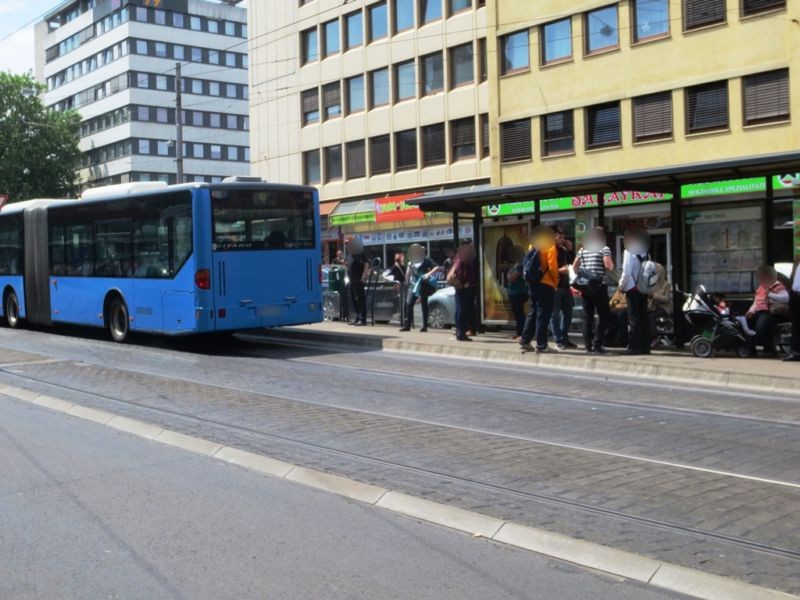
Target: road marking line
[256,462]
[44,361]
[622,563]
[90,414]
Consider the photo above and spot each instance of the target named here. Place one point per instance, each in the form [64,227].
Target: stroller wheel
[702,347]
[744,350]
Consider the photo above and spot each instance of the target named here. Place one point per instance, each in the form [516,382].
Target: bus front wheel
[11,308]
[118,321]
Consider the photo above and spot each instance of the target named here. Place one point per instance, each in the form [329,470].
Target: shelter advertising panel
[498,241]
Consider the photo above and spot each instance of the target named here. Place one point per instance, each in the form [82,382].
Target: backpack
[648,275]
[532,270]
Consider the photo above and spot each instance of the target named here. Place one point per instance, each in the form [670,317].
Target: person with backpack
[564,303]
[419,285]
[591,265]
[540,272]
[639,277]
[517,289]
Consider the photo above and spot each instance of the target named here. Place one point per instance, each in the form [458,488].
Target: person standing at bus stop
[564,303]
[464,277]
[357,272]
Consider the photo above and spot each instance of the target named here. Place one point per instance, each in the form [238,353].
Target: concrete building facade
[115,62]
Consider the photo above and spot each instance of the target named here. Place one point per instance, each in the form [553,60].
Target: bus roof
[16,207]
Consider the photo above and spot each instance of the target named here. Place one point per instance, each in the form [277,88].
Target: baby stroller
[718,331]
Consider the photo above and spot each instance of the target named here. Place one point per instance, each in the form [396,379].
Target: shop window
[379,87]
[515,137]
[766,97]
[354,30]
[405,81]
[308,42]
[432,74]
[601,28]
[430,10]
[310,101]
[707,107]
[603,126]
[516,52]
[405,149]
[311,167]
[333,163]
[556,41]
[356,158]
[378,21]
[462,138]
[462,67]
[650,19]
[484,119]
[433,145]
[558,133]
[652,117]
[355,94]
[380,155]
[332,100]
[403,15]
[330,32]
[753,7]
[702,13]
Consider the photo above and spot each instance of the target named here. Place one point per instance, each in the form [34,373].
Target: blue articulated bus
[175,260]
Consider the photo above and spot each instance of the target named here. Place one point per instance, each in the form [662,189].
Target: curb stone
[621,563]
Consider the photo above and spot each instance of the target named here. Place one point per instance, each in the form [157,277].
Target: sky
[17,50]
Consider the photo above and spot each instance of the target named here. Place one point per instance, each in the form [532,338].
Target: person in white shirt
[794,312]
[637,245]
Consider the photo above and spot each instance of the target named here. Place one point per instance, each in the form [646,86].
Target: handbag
[618,302]
[779,309]
[587,282]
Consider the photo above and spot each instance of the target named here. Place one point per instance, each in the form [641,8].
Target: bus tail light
[202,279]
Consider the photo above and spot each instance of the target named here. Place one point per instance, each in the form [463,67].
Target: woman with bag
[592,263]
[770,307]
[419,285]
[463,277]
[637,246]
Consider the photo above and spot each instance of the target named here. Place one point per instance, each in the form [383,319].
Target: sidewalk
[759,374]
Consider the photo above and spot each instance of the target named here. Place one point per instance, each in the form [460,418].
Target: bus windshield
[263,219]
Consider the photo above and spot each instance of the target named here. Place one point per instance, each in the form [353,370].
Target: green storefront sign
[352,218]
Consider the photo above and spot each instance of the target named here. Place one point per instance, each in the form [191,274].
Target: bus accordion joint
[202,279]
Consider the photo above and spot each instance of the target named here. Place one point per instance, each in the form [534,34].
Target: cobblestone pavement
[702,478]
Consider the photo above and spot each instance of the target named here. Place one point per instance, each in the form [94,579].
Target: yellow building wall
[739,47]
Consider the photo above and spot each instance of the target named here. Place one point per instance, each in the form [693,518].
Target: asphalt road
[87,512]
[699,477]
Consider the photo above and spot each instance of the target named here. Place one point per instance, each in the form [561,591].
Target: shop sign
[396,209]
[790,181]
[572,203]
[723,188]
[351,218]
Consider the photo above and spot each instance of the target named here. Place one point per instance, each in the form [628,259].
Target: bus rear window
[263,219]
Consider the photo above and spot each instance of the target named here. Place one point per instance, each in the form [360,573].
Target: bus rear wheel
[118,322]
[11,308]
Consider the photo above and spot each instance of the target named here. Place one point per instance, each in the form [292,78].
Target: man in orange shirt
[541,274]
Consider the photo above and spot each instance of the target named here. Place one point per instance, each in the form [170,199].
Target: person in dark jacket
[357,273]
[466,278]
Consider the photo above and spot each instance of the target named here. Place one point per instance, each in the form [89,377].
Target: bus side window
[79,257]
[151,249]
[57,261]
[9,246]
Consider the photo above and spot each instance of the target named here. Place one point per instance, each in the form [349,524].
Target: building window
[197,86]
[144,147]
[215,120]
[233,153]
[432,74]
[601,29]
[230,59]
[484,120]
[707,107]
[515,137]
[516,54]
[213,26]
[309,43]
[766,97]
[650,19]
[355,94]
[178,21]
[197,118]
[162,115]
[195,24]
[405,151]
[753,7]
[178,52]
[457,6]
[213,88]
[215,152]
[603,125]
[198,151]
[160,50]
[379,155]
[379,87]
[354,30]
[333,163]
[330,32]
[462,138]
[430,10]
[556,41]
[378,21]
[310,102]
[558,133]
[162,148]
[405,81]
[141,47]
[356,157]
[311,171]
[462,69]
[652,117]
[433,145]
[701,13]
[332,100]
[403,15]
[483,60]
